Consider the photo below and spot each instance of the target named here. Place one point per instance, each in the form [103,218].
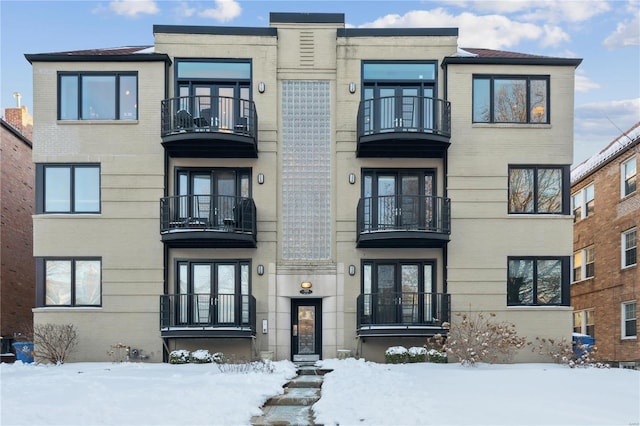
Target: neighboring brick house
[606,279]
[300,189]
[17,271]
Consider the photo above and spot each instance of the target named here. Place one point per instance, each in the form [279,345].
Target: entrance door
[306,329]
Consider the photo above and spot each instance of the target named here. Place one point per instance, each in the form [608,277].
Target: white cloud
[133,8]
[585,84]
[183,10]
[627,34]
[553,36]
[566,11]
[488,31]
[225,11]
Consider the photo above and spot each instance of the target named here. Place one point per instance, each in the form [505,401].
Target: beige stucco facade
[137,268]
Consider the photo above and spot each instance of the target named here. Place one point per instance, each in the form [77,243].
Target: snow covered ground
[355,393]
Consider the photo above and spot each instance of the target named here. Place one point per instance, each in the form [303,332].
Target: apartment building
[300,189]
[17,270]
[606,281]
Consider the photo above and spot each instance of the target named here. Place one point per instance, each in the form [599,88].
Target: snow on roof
[124,50]
[626,139]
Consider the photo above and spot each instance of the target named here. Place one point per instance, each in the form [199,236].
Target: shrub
[562,352]
[119,352]
[201,356]
[417,354]
[435,348]
[239,365]
[180,356]
[475,339]
[396,355]
[437,356]
[54,342]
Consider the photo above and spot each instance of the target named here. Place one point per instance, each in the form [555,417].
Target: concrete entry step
[305,381]
[284,416]
[296,396]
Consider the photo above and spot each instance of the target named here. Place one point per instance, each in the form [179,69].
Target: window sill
[626,197]
[629,338]
[66,309]
[93,122]
[541,215]
[511,125]
[74,215]
[583,280]
[630,267]
[540,307]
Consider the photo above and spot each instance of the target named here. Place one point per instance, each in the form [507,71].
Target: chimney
[19,117]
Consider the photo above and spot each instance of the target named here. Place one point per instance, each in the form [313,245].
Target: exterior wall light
[306,285]
[260,269]
[260,178]
[352,270]
[352,178]
[352,87]
[261,87]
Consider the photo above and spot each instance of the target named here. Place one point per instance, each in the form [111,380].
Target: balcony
[208,221]
[209,126]
[404,126]
[402,314]
[403,221]
[207,315]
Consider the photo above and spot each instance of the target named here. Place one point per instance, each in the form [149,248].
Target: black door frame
[317,304]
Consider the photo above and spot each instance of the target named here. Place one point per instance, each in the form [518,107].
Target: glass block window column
[306,170]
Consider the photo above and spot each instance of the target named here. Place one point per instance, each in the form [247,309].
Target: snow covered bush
[436,356]
[417,354]
[562,352]
[474,339]
[201,356]
[396,355]
[181,356]
[54,342]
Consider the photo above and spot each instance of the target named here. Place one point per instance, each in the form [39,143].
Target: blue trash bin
[585,340]
[24,351]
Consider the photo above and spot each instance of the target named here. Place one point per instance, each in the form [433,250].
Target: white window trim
[583,201]
[623,320]
[623,248]
[622,176]
[583,267]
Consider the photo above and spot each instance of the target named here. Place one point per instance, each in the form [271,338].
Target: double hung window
[70,281]
[629,320]
[584,264]
[583,322]
[583,203]
[98,96]
[537,281]
[538,189]
[629,247]
[511,99]
[68,188]
[629,173]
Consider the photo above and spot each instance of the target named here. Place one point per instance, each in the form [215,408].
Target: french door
[212,194]
[221,107]
[399,108]
[399,292]
[398,199]
[213,293]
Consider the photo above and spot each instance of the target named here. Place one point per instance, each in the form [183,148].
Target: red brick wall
[611,284]
[17,269]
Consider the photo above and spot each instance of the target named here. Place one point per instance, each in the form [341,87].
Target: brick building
[300,189]
[17,271]
[606,279]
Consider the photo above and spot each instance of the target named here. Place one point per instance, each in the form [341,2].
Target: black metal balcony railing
[224,314]
[208,212]
[418,114]
[403,309]
[218,114]
[423,213]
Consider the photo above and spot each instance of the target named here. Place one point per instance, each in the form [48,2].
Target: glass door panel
[225,294]
[428,111]
[409,201]
[306,333]
[201,278]
[226,108]
[182,304]
[387,299]
[202,197]
[202,105]
[306,330]
[410,287]
[387,109]
[430,301]
[225,191]
[430,203]
[387,208]
[409,109]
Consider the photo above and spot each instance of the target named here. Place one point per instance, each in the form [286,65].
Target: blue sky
[606,34]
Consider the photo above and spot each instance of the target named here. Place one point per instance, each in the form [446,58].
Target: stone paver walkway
[293,407]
